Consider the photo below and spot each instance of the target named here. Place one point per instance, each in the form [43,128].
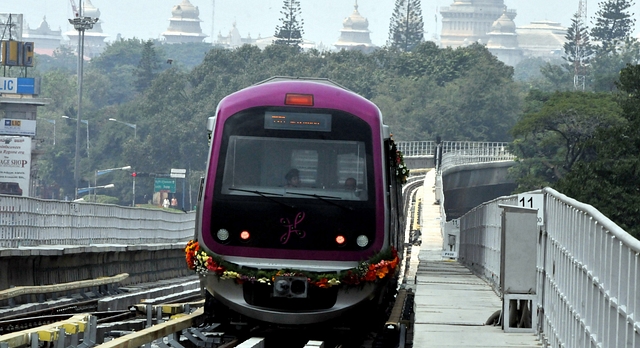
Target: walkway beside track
[452,304]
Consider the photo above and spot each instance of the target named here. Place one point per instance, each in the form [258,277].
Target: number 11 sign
[535,201]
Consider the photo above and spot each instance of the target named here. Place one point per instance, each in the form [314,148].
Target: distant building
[93,38]
[503,40]
[45,40]
[266,41]
[184,24]
[234,39]
[355,33]
[490,23]
[543,39]
[469,21]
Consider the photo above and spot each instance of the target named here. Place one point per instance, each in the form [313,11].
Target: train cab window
[334,169]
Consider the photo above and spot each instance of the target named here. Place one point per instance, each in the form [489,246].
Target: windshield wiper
[264,195]
[322,198]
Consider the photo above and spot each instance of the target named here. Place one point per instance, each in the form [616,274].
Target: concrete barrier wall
[40,266]
[420,162]
[467,186]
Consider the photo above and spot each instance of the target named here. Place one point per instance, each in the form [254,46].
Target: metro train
[299,214]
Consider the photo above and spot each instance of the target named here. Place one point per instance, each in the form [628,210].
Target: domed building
[355,33]
[44,39]
[503,40]
[93,38]
[469,21]
[184,24]
[234,39]
[543,39]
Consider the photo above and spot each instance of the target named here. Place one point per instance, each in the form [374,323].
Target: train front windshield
[325,150]
[332,168]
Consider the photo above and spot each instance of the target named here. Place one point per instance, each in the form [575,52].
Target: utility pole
[80,23]
[579,77]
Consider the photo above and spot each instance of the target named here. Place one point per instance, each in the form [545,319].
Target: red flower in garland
[371,275]
[322,283]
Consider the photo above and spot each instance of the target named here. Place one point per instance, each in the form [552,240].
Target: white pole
[133,204]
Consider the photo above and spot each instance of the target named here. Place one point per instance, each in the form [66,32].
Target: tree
[578,50]
[557,77]
[407,28]
[290,31]
[614,24]
[556,132]
[147,67]
[606,66]
[610,181]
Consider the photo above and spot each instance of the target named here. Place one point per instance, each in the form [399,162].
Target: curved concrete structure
[469,185]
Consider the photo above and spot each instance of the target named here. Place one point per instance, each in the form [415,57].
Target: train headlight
[245,235]
[340,239]
[223,234]
[362,241]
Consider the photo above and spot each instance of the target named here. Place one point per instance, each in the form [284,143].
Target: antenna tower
[579,77]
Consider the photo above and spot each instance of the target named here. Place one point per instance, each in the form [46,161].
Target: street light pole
[104,171]
[88,189]
[132,125]
[81,24]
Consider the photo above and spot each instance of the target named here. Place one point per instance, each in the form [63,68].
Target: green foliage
[459,94]
[557,77]
[290,30]
[606,65]
[614,24]
[556,132]
[577,49]
[183,55]
[462,94]
[64,58]
[147,67]
[610,181]
[406,29]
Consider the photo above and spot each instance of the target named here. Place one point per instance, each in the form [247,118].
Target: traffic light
[140,174]
[134,174]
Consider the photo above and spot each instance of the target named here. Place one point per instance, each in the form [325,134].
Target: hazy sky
[322,18]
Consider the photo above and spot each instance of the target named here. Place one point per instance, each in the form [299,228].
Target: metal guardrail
[588,268]
[428,148]
[478,153]
[28,222]
[588,271]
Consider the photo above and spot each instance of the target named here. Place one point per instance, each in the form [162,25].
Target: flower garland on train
[376,268]
[397,162]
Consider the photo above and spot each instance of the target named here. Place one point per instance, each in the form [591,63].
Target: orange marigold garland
[378,267]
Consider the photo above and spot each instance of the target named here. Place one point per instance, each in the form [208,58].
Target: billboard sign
[15,165]
[178,173]
[164,184]
[9,126]
[18,85]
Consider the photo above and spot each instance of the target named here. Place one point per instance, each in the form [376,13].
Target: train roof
[311,79]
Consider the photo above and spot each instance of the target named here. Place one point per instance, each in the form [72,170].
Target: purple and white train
[300,207]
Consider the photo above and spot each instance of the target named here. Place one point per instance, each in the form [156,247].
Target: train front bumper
[255,301]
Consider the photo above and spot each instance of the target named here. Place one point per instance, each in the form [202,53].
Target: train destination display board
[297,121]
